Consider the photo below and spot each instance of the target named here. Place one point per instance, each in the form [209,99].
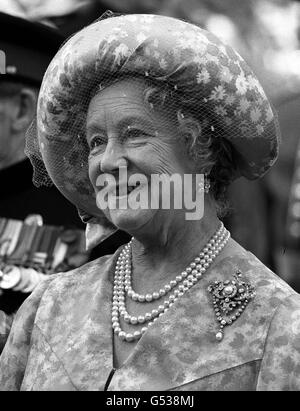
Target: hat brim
[194,61]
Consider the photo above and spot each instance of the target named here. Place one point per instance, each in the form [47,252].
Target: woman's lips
[123,191]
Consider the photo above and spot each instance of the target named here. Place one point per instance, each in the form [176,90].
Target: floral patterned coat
[61,338]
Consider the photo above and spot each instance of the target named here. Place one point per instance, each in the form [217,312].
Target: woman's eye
[97,142]
[135,133]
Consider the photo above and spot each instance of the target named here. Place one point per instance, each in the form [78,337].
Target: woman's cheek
[156,158]
[94,168]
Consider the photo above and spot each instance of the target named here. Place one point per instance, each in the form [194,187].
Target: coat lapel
[181,346]
[178,349]
[80,333]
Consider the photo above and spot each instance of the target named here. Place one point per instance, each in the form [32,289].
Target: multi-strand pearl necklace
[173,290]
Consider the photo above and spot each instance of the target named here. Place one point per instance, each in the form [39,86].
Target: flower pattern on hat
[192,60]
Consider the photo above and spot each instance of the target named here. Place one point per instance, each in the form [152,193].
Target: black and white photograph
[150,198]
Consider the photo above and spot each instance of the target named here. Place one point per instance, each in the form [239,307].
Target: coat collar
[178,349]
[181,346]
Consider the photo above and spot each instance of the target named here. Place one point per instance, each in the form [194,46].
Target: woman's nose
[112,158]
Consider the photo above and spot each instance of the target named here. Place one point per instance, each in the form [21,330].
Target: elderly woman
[182,306]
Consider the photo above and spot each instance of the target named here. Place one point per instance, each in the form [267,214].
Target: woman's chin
[129,220]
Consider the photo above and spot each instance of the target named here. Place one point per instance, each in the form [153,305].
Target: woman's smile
[129,142]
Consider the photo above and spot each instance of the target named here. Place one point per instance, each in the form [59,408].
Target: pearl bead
[161,308]
[148,297]
[122,335]
[137,334]
[133,320]
[189,277]
[228,289]
[129,337]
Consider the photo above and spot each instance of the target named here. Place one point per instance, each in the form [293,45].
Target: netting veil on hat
[209,76]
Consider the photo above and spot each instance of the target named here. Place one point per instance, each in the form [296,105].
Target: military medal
[9,277]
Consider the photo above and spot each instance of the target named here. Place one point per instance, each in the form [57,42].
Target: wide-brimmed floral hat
[192,61]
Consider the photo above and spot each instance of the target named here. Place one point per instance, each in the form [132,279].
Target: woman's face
[124,132]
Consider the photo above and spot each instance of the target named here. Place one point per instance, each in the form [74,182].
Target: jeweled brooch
[230,298]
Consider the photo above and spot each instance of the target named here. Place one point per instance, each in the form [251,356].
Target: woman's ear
[25,109]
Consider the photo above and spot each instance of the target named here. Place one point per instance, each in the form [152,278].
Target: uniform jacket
[61,338]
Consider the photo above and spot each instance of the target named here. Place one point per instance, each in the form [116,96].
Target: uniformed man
[26,51]
[28,48]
